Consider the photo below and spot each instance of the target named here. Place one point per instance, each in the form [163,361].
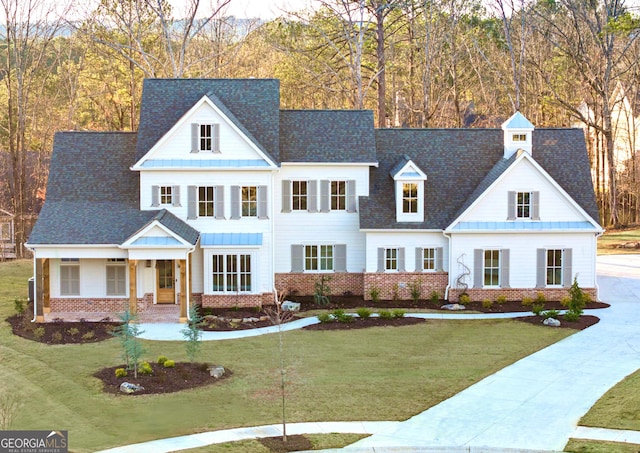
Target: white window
[116,277]
[519,137]
[231,273]
[206,137]
[318,258]
[70,277]
[338,195]
[554,267]
[166,194]
[523,205]
[391,259]
[491,268]
[409,198]
[429,259]
[249,201]
[299,195]
[206,201]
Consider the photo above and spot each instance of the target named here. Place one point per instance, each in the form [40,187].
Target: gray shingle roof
[461,163]
[254,102]
[327,136]
[92,196]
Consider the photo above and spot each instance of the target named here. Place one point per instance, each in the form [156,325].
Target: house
[7,238]
[221,198]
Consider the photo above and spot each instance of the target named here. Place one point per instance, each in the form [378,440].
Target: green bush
[20,305]
[145,368]
[374,293]
[56,337]
[527,301]
[162,359]
[398,313]
[325,317]
[416,290]
[340,316]
[385,314]
[551,314]
[321,290]
[487,303]
[577,301]
[565,301]
[73,331]
[537,308]
[435,297]
[501,299]
[571,316]
[121,372]
[88,335]
[464,298]
[395,292]
[38,333]
[540,299]
[169,363]
[363,312]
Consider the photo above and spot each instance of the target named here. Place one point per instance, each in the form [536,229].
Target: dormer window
[409,190]
[518,133]
[205,137]
[519,137]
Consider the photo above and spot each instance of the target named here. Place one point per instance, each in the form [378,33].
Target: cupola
[518,132]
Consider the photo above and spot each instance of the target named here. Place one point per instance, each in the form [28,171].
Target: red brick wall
[97,305]
[517,294]
[398,285]
[242,300]
[303,284]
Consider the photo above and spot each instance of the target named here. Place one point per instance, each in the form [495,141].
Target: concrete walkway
[533,405]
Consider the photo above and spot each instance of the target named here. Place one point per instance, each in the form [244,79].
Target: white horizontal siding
[554,206]
[93,279]
[522,255]
[409,241]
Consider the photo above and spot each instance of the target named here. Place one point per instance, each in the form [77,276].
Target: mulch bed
[294,443]
[61,332]
[582,323]
[363,323]
[185,375]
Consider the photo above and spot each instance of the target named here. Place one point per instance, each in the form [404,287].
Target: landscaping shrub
[88,335]
[325,317]
[38,333]
[340,316]
[435,297]
[56,337]
[527,301]
[169,363]
[364,313]
[537,308]
[540,299]
[487,303]
[162,359]
[464,299]
[73,331]
[501,299]
[551,314]
[395,296]
[416,290]
[385,314]
[374,293]
[398,313]
[121,372]
[145,368]
[571,316]
[321,290]
[577,301]
[20,305]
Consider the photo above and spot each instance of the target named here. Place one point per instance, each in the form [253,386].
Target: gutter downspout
[446,291]
[273,236]
[35,292]
[188,282]
[595,264]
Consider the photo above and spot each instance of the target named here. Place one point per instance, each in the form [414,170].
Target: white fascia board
[400,230]
[204,100]
[332,164]
[140,233]
[544,173]
[536,232]
[217,169]
[411,166]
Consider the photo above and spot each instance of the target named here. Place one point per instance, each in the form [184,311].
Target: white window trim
[409,216]
[212,201]
[529,217]
[546,267]
[68,263]
[435,259]
[397,259]
[208,267]
[499,268]
[318,259]
[121,265]
[295,206]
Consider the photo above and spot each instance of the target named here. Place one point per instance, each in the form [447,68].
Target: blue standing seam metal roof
[523,226]
[226,239]
[156,241]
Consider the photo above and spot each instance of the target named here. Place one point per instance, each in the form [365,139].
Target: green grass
[592,446]
[319,441]
[607,243]
[368,374]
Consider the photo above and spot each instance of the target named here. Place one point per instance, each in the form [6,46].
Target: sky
[264,9]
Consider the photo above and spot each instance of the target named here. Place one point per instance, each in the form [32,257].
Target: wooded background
[415,63]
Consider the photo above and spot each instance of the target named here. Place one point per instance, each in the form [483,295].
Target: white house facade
[223,199]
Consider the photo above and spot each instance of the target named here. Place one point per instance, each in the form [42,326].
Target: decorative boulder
[453,307]
[287,305]
[551,322]
[216,371]
[128,387]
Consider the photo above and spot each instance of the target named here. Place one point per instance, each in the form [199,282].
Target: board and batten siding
[315,227]
[179,144]
[409,241]
[553,206]
[523,255]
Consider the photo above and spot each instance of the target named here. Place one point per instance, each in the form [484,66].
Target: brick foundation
[242,300]
[303,284]
[517,294]
[398,285]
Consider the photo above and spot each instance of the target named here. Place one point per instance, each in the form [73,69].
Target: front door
[166,290]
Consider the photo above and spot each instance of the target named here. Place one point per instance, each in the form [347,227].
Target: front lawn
[618,242]
[369,374]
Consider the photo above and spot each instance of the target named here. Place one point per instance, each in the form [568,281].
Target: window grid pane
[492,267]
[299,196]
[429,259]
[311,258]
[326,258]
[206,201]
[217,271]
[116,280]
[554,267]
[245,272]
[249,201]
[205,137]
[523,205]
[338,195]
[410,197]
[391,259]
[69,279]
[166,194]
